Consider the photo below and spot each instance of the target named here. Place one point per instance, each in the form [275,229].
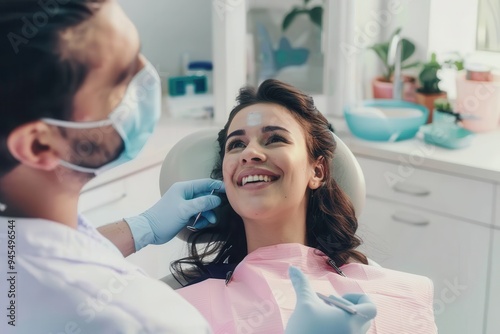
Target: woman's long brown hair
[330,222]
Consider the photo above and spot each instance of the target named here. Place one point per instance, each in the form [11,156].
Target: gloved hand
[313,316]
[172,212]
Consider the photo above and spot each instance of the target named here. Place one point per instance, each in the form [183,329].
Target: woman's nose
[253,152]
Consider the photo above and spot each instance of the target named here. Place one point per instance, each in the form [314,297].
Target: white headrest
[194,156]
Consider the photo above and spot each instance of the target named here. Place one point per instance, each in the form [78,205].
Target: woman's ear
[30,145]
[319,174]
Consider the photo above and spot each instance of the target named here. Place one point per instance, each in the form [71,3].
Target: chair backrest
[194,156]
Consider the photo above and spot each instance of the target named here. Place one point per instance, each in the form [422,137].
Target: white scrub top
[64,280]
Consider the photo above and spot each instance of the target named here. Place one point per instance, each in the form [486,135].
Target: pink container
[481,101]
[383,89]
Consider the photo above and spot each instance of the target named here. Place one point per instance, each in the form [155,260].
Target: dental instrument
[334,301]
[192,228]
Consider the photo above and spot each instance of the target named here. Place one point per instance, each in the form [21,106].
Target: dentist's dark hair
[39,72]
[331,223]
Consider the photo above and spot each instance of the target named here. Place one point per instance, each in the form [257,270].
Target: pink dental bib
[260,298]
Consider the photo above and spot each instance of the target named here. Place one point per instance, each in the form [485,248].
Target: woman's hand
[313,316]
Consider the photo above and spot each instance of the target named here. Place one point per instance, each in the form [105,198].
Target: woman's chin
[254,211]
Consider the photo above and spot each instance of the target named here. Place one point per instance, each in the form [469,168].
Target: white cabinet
[124,197]
[442,193]
[128,197]
[435,225]
[497,211]
[493,324]
[453,253]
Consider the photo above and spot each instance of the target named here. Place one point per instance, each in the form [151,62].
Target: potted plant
[429,90]
[382,86]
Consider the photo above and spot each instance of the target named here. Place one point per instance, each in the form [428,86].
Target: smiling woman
[278,132]
[284,208]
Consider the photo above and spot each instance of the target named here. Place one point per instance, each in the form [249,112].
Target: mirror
[488,26]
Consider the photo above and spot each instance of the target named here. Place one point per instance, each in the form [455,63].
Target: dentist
[77,98]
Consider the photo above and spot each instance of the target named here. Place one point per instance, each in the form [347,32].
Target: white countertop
[481,160]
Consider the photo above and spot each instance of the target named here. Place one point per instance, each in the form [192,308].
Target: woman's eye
[276,139]
[235,144]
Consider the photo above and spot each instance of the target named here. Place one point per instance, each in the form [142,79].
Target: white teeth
[255,178]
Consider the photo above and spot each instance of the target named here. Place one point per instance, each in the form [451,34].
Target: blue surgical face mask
[134,119]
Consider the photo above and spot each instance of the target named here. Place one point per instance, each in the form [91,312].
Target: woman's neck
[260,233]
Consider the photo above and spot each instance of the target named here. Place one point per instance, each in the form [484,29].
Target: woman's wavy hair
[330,222]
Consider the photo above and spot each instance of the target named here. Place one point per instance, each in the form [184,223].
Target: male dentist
[77,98]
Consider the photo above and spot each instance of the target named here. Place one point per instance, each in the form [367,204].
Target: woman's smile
[255,176]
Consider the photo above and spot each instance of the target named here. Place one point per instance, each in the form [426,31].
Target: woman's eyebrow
[271,128]
[235,133]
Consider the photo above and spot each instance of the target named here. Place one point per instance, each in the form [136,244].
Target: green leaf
[289,18]
[381,49]
[459,64]
[442,104]
[306,2]
[316,15]
[408,48]
[434,61]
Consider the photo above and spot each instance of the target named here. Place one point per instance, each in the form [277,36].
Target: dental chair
[194,156]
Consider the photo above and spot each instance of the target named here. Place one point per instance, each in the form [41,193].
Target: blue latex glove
[313,316]
[173,211]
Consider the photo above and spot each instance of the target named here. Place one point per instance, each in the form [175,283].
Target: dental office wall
[170,28]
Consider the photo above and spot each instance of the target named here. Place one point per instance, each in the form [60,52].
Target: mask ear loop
[77,125]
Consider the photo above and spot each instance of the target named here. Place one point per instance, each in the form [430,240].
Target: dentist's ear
[319,174]
[30,144]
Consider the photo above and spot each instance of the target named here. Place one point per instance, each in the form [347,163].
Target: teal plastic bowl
[452,137]
[385,120]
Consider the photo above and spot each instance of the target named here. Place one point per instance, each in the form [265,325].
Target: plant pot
[427,100]
[383,89]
